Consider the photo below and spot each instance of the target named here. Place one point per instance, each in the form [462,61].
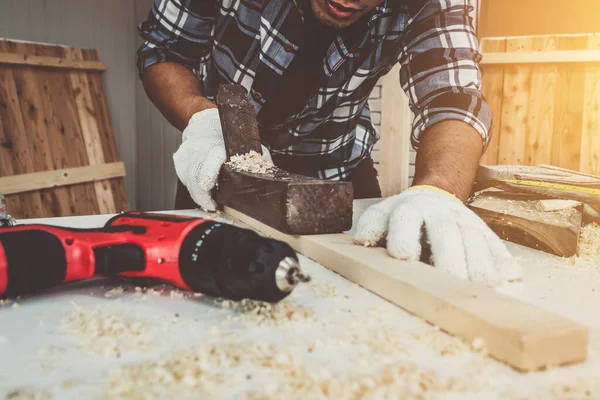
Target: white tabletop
[330,336]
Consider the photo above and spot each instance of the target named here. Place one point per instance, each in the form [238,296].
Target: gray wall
[157,141]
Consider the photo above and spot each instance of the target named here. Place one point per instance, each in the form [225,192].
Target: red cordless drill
[196,254]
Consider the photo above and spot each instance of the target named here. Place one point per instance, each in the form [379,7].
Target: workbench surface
[329,339]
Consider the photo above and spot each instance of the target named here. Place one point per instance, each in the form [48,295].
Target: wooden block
[556,204]
[523,223]
[524,336]
[290,203]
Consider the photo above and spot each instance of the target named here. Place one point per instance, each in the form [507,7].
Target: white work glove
[462,244]
[199,158]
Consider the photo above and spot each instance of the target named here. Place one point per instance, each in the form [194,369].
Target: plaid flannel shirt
[252,42]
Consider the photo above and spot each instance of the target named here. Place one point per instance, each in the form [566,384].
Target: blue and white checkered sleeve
[440,69]
[177,31]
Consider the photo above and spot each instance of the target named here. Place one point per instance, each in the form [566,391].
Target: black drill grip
[35,260]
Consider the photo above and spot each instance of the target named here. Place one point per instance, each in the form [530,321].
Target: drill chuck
[226,261]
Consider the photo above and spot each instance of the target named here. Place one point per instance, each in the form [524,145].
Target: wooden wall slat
[568,122]
[90,131]
[15,143]
[107,133]
[541,108]
[512,139]
[493,90]
[590,136]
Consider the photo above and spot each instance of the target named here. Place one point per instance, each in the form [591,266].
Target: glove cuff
[208,119]
[434,188]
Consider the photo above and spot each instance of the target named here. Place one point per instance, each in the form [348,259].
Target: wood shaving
[209,372]
[324,290]
[114,292]
[251,162]
[255,313]
[28,393]
[583,388]
[106,333]
[588,247]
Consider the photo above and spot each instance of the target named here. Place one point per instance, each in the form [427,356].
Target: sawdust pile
[589,247]
[258,313]
[107,333]
[250,162]
[209,372]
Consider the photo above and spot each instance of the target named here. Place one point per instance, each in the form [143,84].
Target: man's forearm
[448,157]
[176,92]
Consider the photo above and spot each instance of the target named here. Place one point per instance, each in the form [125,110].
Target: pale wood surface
[61,177]
[517,333]
[395,136]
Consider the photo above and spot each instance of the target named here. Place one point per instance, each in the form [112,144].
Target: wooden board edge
[541,57]
[60,177]
[51,62]
[514,332]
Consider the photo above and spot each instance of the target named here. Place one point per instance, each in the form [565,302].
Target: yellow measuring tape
[555,186]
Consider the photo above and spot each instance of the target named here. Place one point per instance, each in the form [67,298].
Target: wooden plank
[88,118]
[522,335]
[568,116]
[486,173]
[515,107]
[60,177]
[49,62]
[107,133]
[579,173]
[523,223]
[493,90]
[541,57]
[395,136]
[590,135]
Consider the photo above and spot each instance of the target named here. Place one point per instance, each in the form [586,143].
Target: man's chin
[332,22]
[329,20]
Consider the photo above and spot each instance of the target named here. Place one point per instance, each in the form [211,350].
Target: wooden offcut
[291,203]
[55,118]
[517,333]
[522,222]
